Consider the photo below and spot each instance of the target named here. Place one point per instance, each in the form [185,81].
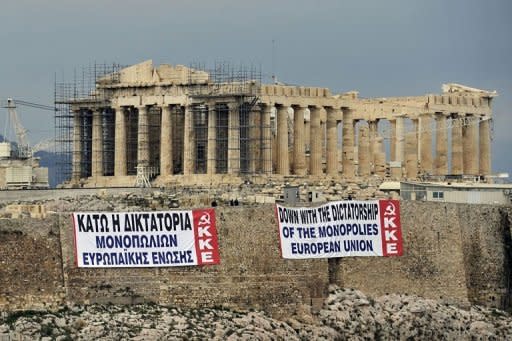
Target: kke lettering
[206,240]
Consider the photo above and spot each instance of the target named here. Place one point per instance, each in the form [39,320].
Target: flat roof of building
[464,185]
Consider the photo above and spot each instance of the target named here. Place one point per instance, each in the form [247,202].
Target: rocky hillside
[347,314]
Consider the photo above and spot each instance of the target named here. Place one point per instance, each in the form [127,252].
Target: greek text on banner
[145,239]
[340,229]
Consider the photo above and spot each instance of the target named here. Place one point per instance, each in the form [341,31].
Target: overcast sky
[379,48]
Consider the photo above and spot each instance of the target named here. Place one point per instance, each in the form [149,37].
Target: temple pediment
[454,87]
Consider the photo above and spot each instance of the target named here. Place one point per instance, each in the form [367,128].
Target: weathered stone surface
[452,252]
[346,314]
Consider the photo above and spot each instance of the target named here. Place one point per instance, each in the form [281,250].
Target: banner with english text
[145,239]
[340,229]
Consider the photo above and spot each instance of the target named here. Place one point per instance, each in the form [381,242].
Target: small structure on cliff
[459,192]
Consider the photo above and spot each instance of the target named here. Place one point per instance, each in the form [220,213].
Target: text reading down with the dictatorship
[340,229]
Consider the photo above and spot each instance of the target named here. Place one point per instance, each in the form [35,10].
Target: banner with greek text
[340,229]
[145,239]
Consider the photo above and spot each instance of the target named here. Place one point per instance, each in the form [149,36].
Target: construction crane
[19,168]
[24,151]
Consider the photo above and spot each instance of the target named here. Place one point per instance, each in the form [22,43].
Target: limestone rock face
[346,314]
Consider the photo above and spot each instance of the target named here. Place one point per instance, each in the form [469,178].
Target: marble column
[426,143]
[77,145]
[97,143]
[411,152]
[399,139]
[363,151]
[307,136]
[143,137]
[233,139]
[457,165]
[315,155]
[373,132]
[166,166]
[188,142]
[470,145]
[323,138]
[254,139]
[348,143]
[283,165]
[392,143]
[299,153]
[332,142]
[211,165]
[485,146]
[266,145]
[441,161]
[120,143]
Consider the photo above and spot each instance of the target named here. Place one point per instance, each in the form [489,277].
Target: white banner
[340,229]
[145,239]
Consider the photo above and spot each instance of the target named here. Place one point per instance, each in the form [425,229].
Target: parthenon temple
[146,123]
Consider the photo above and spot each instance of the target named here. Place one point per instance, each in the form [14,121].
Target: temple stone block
[379,156]
[283,164]
[97,143]
[395,168]
[470,145]
[485,146]
[77,146]
[166,166]
[441,160]
[315,158]
[457,166]
[363,151]
[348,143]
[143,137]
[425,134]
[332,142]
[299,153]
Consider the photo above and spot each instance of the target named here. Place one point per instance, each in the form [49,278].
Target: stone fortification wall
[487,250]
[30,263]
[451,251]
[38,265]
[458,253]
[251,274]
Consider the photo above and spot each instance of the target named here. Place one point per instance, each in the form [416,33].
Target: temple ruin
[170,124]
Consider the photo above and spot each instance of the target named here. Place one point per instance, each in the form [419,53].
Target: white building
[466,192]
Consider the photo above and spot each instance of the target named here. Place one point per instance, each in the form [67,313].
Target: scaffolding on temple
[224,96]
[239,142]
[82,89]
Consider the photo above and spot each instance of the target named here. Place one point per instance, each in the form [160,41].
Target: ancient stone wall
[30,263]
[251,274]
[454,252]
[487,253]
[459,253]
